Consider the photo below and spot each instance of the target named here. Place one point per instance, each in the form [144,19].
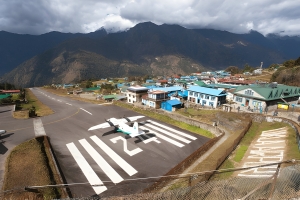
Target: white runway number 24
[129,152]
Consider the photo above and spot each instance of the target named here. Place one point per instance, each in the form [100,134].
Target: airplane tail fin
[135,128]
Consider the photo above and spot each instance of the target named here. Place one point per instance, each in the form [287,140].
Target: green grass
[253,132]
[292,151]
[227,164]
[240,153]
[19,171]
[15,97]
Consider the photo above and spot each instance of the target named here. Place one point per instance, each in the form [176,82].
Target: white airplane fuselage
[131,131]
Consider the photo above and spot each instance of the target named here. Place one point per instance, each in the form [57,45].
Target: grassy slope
[292,151]
[28,165]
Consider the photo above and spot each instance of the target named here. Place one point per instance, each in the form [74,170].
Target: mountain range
[146,49]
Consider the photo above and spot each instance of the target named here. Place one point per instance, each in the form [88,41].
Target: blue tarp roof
[206,90]
[173,102]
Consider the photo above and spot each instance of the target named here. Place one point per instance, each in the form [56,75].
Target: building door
[247,102]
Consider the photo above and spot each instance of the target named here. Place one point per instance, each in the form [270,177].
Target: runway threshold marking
[166,138]
[119,160]
[86,169]
[168,133]
[107,169]
[148,139]
[86,111]
[38,127]
[173,130]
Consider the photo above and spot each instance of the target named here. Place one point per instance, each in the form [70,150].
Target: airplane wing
[103,125]
[130,119]
[2,132]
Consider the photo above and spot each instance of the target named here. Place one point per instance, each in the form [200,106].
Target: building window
[203,102]
[191,93]
[201,95]
[206,96]
[238,99]
[213,98]
[249,92]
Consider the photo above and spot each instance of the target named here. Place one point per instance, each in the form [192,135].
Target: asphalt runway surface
[102,162]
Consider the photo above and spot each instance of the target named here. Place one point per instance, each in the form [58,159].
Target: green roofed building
[92,89]
[200,83]
[4,96]
[265,95]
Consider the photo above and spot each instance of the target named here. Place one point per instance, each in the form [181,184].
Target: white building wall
[203,99]
[131,97]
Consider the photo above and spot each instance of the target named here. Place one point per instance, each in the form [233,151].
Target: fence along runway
[161,131]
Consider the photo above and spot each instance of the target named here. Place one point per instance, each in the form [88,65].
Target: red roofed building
[9,91]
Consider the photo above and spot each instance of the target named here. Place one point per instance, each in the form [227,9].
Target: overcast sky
[83,16]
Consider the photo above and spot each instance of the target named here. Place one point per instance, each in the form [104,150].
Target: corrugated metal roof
[91,89]
[271,91]
[200,83]
[137,88]
[4,96]
[206,90]
[173,102]
[168,89]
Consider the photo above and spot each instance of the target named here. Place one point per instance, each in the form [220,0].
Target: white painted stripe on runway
[107,169]
[38,127]
[86,169]
[86,111]
[166,139]
[149,139]
[120,161]
[173,130]
[69,104]
[168,133]
[59,100]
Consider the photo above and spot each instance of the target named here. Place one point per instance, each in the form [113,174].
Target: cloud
[41,16]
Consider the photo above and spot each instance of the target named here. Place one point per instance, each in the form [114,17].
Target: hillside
[17,48]
[147,49]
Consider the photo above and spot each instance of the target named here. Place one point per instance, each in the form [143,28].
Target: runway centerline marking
[69,104]
[86,111]
[86,169]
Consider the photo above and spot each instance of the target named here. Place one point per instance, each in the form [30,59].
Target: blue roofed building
[206,96]
[171,105]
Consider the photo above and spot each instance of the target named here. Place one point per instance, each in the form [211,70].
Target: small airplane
[121,126]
